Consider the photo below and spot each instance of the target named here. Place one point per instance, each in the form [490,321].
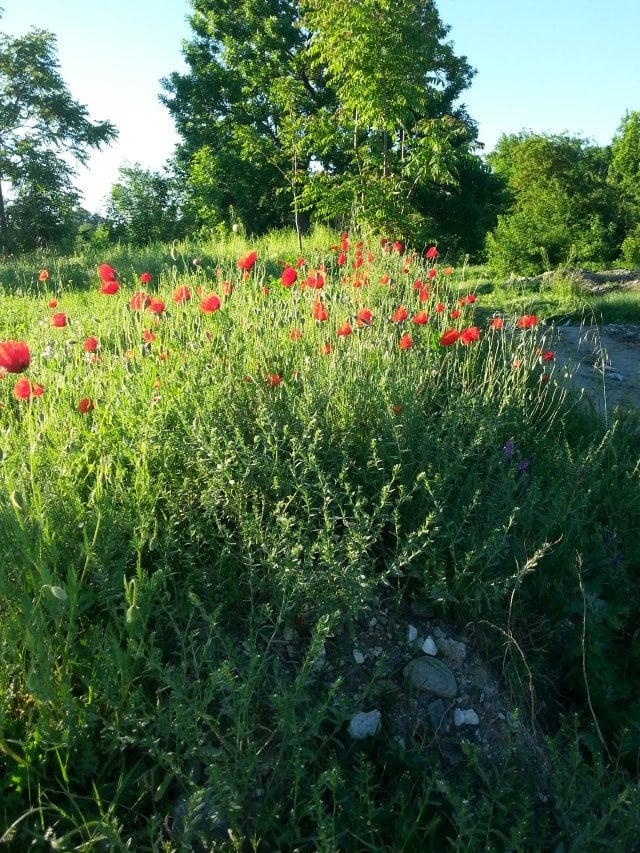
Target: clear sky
[542,65]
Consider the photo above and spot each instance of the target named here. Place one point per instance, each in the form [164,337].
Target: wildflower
[181,294]
[15,356]
[246,261]
[439,308]
[300,262]
[433,272]
[59,319]
[496,323]
[527,321]
[424,294]
[385,279]
[24,389]
[43,275]
[341,259]
[107,273]
[447,270]
[469,334]
[315,280]
[295,334]
[91,344]
[357,262]
[449,337]
[405,341]
[344,330]
[508,450]
[396,409]
[86,405]
[148,336]
[273,380]
[431,253]
[420,318]
[548,356]
[155,305]
[210,303]
[363,316]
[325,349]
[319,312]
[145,277]
[455,314]
[109,287]
[398,246]
[399,315]
[139,301]
[52,303]
[289,277]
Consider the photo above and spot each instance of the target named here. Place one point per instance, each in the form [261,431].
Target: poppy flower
[399,315]
[182,293]
[52,303]
[59,319]
[246,261]
[86,405]
[396,409]
[91,344]
[148,336]
[289,277]
[319,312]
[325,349]
[300,262]
[433,272]
[431,253]
[315,280]
[447,270]
[420,318]
[424,294]
[210,303]
[155,305]
[548,356]
[139,301]
[449,337]
[527,321]
[273,379]
[385,279]
[341,259]
[145,277]
[439,308]
[405,341]
[398,246]
[109,287]
[469,335]
[364,317]
[43,275]
[295,334]
[496,323]
[344,330]
[15,356]
[24,389]
[107,273]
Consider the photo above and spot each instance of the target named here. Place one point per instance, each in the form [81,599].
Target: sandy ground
[601,362]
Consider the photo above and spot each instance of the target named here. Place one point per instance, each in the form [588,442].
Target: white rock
[458,717]
[429,647]
[471,718]
[358,656]
[364,724]
[412,634]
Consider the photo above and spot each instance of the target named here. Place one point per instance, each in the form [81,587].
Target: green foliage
[39,122]
[562,210]
[624,169]
[144,207]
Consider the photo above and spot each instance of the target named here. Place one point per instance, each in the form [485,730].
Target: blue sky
[546,66]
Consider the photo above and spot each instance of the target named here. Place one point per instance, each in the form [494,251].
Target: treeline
[301,111]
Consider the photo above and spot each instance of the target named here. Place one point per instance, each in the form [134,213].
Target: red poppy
[424,294]
[548,356]
[364,317]
[139,301]
[59,319]
[399,315]
[418,284]
[325,349]
[396,409]
[527,321]
[145,277]
[24,389]
[52,303]
[431,253]
[342,259]
[449,337]
[357,262]
[210,303]
[315,280]
[447,270]
[385,279]
[91,344]
[246,261]
[472,333]
[289,277]
[344,243]
[43,275]
[107,273]
[148,336]
[319,312]
[109,287]
[433,272]
[15,356]
[439,307]
[295,334]
[496,323]
[420,318]
[344,330]
[455,314]
[398,246]
[273,379]
[182,293]
[155,305]
[405,341]
[300,262]
[86,405]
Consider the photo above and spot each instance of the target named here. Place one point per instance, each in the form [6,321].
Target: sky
[549,66]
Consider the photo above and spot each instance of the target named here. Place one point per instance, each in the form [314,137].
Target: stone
[429,647]
[412,634]
[432,674]
[453,650]
[438,715]
[358,656]
[364,724]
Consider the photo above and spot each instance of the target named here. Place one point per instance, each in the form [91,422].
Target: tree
[624,177]
[561,209]
[144,207]
[42,129]
[347,109]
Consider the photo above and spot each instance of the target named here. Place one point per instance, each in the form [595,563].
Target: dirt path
[603,362]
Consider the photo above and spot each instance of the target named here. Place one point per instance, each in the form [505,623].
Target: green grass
[186,566]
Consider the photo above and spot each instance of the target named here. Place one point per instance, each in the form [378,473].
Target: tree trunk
[4,230]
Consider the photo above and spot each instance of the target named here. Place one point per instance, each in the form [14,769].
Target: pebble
[432,674]
[364,724]
[465,718]
[358,656]
[429,647]
[412,634]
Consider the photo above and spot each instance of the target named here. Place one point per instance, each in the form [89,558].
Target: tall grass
[177,560]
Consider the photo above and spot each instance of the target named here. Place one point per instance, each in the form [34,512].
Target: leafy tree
[561,208]
[624,177]
[42,129]
[144,206]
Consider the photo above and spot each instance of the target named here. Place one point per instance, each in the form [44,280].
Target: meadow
[222,464]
